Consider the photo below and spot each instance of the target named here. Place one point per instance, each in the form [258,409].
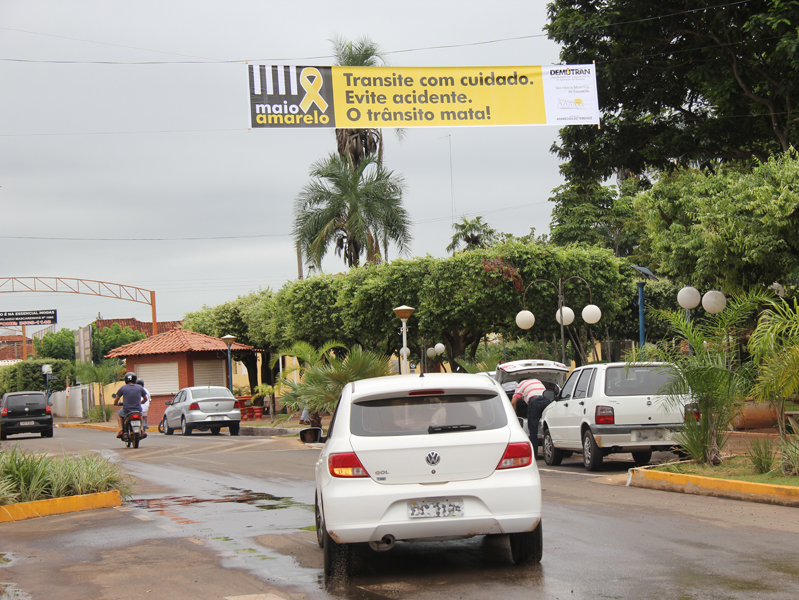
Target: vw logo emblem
[433,458]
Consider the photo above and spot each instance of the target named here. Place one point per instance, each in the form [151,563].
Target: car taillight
[4,412]
[194,406]
[517,454]
[692,410]
[239,404]
[604,415]
[47,409]
[346,465]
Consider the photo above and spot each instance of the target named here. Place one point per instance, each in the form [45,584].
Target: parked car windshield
[636,381]
[422,415]
[23,400]
[211,392]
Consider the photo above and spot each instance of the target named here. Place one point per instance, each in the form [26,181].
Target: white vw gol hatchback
[437,457]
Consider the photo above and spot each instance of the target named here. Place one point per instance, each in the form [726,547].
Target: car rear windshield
[423,415]
[637,381]
[24,400]
[211,392]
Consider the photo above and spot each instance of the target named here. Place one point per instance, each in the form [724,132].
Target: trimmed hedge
[27,376]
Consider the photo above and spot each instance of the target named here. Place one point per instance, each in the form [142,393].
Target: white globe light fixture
[405,353]
[568,315]
[440,348]
[525,319]
[591,314]
[714,302]
[689,297]
[431,352]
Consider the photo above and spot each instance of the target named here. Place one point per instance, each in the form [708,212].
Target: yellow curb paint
[110,428]
[58,506]
[710,486]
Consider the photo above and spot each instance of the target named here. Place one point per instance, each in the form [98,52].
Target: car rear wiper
[441,428]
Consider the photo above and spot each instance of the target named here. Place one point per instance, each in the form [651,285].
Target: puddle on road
[258,499]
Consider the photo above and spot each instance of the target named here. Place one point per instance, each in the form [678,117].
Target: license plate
[649,435]
[443,507]
[26,423]
[135,424]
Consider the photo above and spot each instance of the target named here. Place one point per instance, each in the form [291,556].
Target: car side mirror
[549,395]
[114,395]
[312,435]
[168,402]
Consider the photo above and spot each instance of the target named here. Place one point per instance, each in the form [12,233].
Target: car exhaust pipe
[384,545]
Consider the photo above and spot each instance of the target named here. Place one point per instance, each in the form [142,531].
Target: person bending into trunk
[132,397]
[530,391]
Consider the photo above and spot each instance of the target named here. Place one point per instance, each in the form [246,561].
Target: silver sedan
[203,408]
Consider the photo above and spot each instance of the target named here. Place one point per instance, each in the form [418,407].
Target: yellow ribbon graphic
[311,89]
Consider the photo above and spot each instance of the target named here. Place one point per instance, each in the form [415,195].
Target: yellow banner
[369,97]
[437,96]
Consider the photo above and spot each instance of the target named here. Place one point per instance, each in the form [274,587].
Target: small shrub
[762,454]
[95,414]
[789,456]
[25,476]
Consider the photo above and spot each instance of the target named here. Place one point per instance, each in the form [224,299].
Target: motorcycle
[133,429]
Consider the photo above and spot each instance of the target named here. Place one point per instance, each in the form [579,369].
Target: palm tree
[352,209]
[474,234]
[102,374]
[775,348]
[356,144]
[323,382]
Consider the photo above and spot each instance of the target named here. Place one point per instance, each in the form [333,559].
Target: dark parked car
[25,412]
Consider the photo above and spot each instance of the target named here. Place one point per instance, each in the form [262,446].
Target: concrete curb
[58,506]
[644,477]
[243,430]
[97,426]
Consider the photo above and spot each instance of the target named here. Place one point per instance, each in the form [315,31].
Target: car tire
[48,433]
[642,458]
[552,456]
[338,557]
[215,430]
[3,436]
[161,425]
[319,521]
[234,429]
[592,454]
[167,429]
[527,547]
[185,428]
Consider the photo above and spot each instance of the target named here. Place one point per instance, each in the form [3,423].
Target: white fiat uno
[437,457]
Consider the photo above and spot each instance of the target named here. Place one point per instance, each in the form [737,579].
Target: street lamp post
[645,274]
[404,313]
[564,315]
[229,340]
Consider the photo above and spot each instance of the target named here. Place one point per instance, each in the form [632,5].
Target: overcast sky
[95,147]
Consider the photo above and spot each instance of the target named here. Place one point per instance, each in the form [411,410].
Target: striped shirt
[529,388]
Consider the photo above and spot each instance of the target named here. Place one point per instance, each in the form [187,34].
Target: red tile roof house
[176,359]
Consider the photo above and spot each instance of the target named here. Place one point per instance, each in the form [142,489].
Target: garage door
[209,372]
[159,378]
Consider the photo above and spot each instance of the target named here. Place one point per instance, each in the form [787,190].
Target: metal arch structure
[89,287]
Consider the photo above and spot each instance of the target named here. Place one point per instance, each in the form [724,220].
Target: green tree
[597,215]
[472,234]
[56,345]
[352,209]
[112,337]
[732,229]
[679,84]
[27,375]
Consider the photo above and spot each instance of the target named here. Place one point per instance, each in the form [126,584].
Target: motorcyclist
[132,396]
[145,407]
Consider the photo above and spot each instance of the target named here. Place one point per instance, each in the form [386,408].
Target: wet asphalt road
[232,517]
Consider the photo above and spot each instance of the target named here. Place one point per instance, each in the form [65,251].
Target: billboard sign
[24,318]
[83,344]
[375,97]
